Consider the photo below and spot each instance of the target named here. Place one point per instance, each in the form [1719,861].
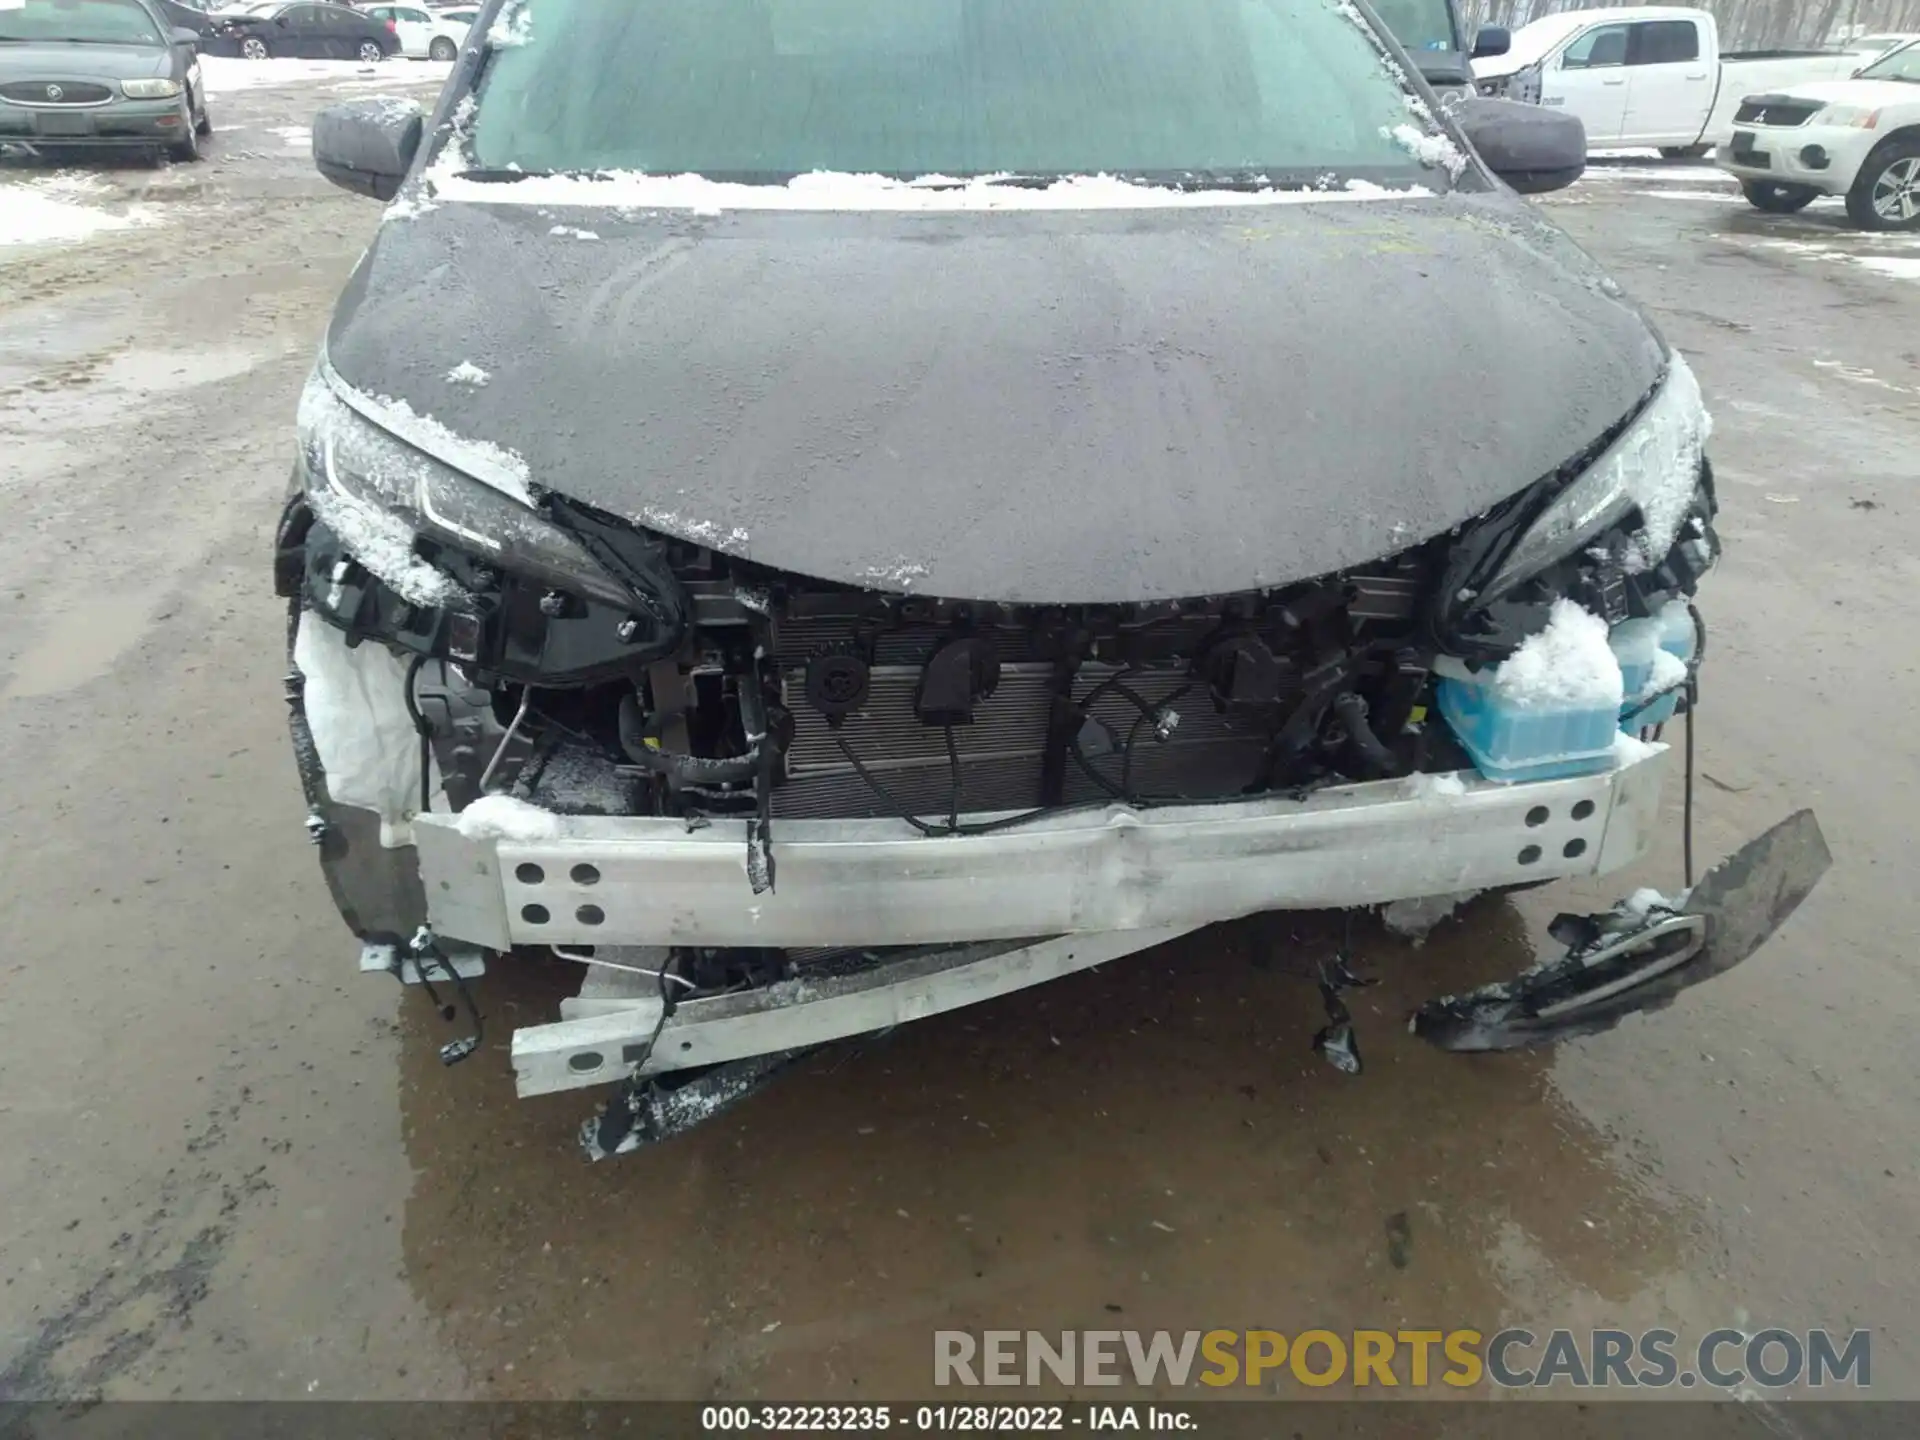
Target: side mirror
[184,36]
[1491,40]
[1533,150]
[281,21]
[367,146]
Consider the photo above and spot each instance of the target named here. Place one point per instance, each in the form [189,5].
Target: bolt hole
[686,1045]
[1583,810]
[1538,816]
[586,875]
[535,914]
[1575,849]
[1530,854]
[590,915]
[529,874]
[585,1061]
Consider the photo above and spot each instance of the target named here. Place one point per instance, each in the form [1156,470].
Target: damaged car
[814,513]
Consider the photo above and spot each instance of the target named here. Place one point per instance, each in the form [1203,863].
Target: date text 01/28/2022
[997,1419]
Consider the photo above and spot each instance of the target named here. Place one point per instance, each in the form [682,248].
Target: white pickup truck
[1647,76]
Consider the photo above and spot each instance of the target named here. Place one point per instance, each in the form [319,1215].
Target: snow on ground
[62,208]
[298,137]
[225,74]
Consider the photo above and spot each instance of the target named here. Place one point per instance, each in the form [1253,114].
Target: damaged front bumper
[591,880]
[966,918]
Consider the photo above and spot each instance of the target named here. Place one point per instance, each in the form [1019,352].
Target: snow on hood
[1036,406]
[1530,44]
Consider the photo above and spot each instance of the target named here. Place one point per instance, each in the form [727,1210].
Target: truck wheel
[1886,193]
[1777,199]
[1683,152]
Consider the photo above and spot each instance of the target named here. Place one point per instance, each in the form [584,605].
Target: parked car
[1872,47]
[305,31]
[98,73]
[1859,138]
[882,515]
[424,34]
[1650,76]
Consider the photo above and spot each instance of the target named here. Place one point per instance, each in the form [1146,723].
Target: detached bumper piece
[1635,959]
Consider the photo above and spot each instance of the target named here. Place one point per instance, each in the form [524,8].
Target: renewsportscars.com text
[1767,1359]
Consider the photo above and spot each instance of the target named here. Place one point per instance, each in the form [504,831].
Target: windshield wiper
[92,40]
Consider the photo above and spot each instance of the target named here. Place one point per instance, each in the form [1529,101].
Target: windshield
[762,90]
[103,22]
[1419,24]
[1901,65]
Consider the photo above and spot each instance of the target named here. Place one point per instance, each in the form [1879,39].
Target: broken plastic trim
[1621,963]
[647,1110]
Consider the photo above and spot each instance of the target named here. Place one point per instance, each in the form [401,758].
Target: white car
[424,34]
[1651,75]
[1859,138]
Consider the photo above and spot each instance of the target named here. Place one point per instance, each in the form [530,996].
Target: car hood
[1043,407]
[38,60]
[1869,94]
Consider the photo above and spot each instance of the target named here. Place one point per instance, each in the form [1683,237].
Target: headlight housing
[1654,464]
[389,493]
[150,89]
[1855,117]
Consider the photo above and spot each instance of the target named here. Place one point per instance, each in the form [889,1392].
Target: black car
[843,515]
[307,32]
[94,73]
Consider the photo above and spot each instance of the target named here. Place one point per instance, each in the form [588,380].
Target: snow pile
[1658,461]
[1669,672]
[1424,786]
[505,470]
[700,532]
[467,373]
[1899,267]
[1643,902]
[226,74]
[1631,750]
[1567,666]
[502,817]
[900,574]
[1434,151]
[512,26]
[831,190]
[54,211]
[383,542]
[575,231]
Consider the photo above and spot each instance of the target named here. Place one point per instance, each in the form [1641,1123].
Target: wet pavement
[238,1169]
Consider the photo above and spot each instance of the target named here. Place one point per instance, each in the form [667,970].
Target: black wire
[987,828]
[1686,829]
[425,732]
[1693,704]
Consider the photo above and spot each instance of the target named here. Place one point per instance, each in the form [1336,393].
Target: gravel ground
[237,1168]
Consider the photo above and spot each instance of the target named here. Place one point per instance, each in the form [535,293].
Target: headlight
[396,492]
[150,89]
[1855,117]
[1654,465]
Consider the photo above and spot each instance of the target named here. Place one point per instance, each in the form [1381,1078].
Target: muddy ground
[233,1167]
